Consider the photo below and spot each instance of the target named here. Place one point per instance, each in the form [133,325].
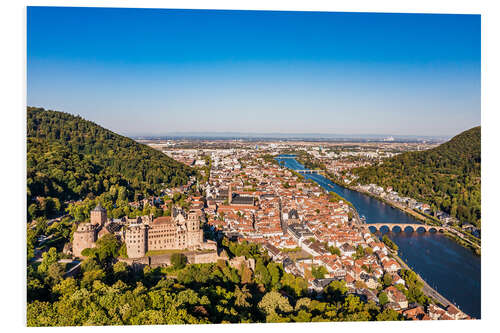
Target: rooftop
[99,208]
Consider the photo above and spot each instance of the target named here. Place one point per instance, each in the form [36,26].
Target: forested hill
[447,177]
[69,158]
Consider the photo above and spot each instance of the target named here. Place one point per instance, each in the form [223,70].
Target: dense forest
[447,177]
[109,292]
[70,158]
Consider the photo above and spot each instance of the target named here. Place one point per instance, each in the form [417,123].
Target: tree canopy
[447,177]
[70,158]
[107,293]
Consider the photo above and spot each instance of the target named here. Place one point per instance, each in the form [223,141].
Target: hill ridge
[69,158]
[448,176]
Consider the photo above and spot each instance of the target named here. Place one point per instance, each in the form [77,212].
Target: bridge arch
[388,226]
[419,228]
[414,227]
[411,227]
[395,227]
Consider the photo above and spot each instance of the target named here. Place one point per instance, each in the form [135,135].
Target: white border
[13,165]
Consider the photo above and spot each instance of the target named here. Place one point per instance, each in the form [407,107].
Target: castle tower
[98,216]
[84,237]
[136,240]
[230,193]
[193,223]
[194,233]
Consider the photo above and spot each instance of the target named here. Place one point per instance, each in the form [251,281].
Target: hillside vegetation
[70,158]
[447,177]
[107,292]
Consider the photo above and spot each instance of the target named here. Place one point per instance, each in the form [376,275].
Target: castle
[86,234]
[179,231]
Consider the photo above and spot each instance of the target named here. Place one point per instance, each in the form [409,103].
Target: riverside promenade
[427,289]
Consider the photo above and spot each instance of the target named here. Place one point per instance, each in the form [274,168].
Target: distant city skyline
[313,136]
[156,72]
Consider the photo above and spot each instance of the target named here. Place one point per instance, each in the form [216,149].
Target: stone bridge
[403,226]
[307,171]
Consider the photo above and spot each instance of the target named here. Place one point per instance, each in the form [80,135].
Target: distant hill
[448,177]
[69,158]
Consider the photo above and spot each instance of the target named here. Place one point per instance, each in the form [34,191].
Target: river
[454,271]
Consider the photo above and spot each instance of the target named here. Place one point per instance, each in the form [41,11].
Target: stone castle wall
[202,258]
[84,237]
[164,259]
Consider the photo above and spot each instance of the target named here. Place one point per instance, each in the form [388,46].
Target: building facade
[135,240]
[181,231]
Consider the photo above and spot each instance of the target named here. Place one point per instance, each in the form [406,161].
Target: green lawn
[299,255]
[160,252]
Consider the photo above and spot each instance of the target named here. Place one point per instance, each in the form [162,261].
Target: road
[427,289]
[357,220]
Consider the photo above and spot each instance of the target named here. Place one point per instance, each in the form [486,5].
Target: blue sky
[154,71]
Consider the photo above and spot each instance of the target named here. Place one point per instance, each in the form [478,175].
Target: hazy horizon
[293,135]
[154,72]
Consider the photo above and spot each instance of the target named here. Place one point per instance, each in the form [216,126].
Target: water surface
[454,271]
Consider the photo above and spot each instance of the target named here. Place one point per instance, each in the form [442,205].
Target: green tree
[178,260]
[48,258]
[275,274]
[107,247]
[336,290]
[90,276]
[120,270]
[334,250]
[383,298]
[261,273]
[55,273]
[67,286]
[318,272]
[447,177]
[273,302]
[390,244]
[241,297]
[69,158]
[387,279]
[389,315]
[122,252]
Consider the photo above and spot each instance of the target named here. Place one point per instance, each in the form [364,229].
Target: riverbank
[405,210]
[430,292]
[462,242]
[450,233]
[432,255]
[455,235]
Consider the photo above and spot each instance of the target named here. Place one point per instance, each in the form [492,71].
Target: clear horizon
[157,71]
